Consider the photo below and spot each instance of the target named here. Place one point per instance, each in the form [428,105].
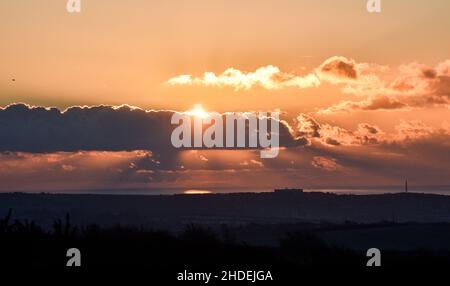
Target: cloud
[310,128]
[370,104]
[25,128]
[414,86]
[411,86]
[415,129]
[269,77]
[327,164]
[94,147]
[338,70]
[366,134]
[334,156]
[335,70]
[96,128]
[64,170]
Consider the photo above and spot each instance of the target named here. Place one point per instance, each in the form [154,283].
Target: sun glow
[198,111]
[196,192]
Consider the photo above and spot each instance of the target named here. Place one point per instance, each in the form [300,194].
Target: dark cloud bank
[98,128]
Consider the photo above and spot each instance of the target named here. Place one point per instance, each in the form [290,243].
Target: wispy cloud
[336,70]
[269,77]
[367,134]
[328,164]
[410,86]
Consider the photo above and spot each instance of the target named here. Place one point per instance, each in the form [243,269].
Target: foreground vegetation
[25,244]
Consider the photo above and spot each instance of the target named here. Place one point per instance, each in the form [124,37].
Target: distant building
[287,190]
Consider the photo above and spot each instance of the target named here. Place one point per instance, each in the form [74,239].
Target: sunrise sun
[198,111]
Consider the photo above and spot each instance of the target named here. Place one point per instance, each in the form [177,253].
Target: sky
[86,97]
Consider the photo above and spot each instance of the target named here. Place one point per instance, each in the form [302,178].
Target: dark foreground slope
[163,255]
[286,234]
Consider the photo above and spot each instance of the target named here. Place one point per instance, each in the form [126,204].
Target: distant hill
[174,211]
